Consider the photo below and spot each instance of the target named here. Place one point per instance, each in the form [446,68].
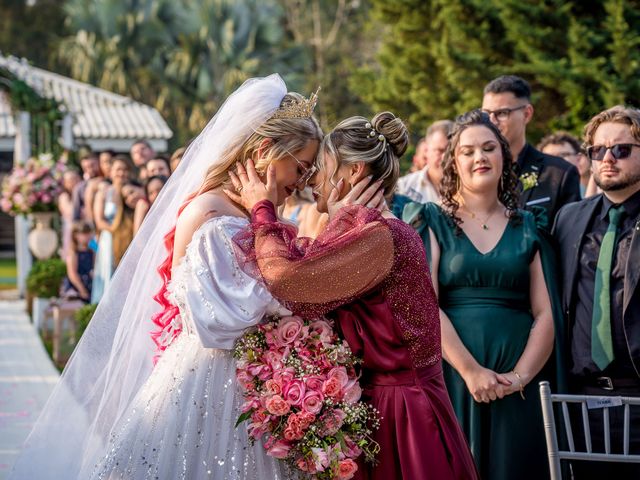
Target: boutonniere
[529,180]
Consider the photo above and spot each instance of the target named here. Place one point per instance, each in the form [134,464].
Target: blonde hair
[287,135]
[378,143]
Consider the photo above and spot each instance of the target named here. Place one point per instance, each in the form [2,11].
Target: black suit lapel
[632,270]
[531,164]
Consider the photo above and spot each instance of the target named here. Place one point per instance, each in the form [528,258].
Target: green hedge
[45,278]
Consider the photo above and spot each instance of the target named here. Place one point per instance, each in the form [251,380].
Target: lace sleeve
[352,256]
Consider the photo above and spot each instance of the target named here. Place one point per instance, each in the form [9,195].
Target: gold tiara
[298,108]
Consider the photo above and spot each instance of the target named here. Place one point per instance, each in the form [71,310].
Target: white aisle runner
[27,377]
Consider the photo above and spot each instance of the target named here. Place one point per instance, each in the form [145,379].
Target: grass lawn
[7,273]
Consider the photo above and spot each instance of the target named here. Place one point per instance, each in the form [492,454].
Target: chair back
[586,402]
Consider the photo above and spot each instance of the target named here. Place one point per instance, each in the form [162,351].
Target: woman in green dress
[496,311]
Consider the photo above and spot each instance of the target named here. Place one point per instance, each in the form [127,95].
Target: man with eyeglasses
[546,181]
[564,145]
[599,246]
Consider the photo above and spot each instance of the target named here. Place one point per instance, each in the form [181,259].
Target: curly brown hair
[450,185]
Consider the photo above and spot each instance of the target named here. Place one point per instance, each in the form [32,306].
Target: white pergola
[94,117]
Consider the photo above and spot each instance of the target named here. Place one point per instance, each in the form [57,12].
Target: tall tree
[25,25]
[332,34]
[437,55]
[182,56]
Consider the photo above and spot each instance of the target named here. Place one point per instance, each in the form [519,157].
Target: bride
[113,414]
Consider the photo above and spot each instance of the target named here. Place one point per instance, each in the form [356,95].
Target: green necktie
[601,341]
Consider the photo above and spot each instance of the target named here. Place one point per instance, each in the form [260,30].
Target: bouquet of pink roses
[33,187]
[302,395]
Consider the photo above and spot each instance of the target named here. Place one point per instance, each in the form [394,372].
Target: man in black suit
[599,246]
[547,181]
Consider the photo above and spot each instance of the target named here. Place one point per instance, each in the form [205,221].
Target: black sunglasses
[619,151]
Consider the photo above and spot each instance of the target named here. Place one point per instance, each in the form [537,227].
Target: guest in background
[141,152]
[566,146]
[70,179]
[174,161]
[300,209]
[419,159]
[90,169]
[105,209]
[79,260]
[599,243]
[100,182]
[493,271]
[158,165]
[152,188]
[423,185]
[547,181]
[106,159]
[127,196]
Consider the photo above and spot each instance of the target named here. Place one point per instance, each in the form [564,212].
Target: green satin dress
[486,297]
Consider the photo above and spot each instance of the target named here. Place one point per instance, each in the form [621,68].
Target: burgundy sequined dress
[370,274]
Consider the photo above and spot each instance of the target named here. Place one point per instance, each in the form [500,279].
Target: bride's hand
[250,189]
[371,196]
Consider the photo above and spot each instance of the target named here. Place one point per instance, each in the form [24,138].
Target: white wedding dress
[181,424]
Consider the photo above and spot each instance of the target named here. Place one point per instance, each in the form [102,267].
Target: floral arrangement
[529,180]
[33,187]
[302,395]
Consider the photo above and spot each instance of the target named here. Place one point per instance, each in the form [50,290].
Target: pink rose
[306,419]
[289,329]
[341,374]
[293,433]
[293,392]
[271,387]
[279,449]
[312,402]
[323,330]
[352,391]
[347,469]
[276,405]
[314,382]
[284,376]
[332,388]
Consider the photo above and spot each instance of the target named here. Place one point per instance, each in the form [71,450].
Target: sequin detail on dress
[181,424]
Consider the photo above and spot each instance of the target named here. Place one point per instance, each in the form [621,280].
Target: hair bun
[394,131]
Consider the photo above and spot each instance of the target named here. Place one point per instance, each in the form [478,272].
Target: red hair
[166,332]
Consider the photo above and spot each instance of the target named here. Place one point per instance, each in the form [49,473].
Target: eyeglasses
[502,114]
[619,151]
[307,172]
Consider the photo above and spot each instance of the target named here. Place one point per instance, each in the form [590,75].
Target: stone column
[22,152]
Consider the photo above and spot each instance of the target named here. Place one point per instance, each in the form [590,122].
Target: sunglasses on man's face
[619,151]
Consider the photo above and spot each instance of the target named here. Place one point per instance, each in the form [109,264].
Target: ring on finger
[239,189]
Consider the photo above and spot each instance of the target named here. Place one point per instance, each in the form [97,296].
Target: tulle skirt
[181,425]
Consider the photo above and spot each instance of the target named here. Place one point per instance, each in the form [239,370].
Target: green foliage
[182,56]
[580,57]
[83,317]
[31,31]
[45,278]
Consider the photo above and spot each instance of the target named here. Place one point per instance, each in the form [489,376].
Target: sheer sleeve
[352,256]
[220,298]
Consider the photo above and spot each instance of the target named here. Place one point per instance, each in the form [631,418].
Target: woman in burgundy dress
[368,271]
